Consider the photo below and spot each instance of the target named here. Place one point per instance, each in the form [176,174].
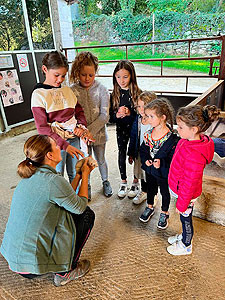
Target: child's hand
[74,151]
[87,137]
[177,211]
[156,163]
[79,131]
[123,111]
[130,160]
[148,163]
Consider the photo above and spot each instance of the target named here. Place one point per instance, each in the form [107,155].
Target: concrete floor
[129,260]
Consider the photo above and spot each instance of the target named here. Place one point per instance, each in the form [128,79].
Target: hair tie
[205,115]
[29,160]
[36,164]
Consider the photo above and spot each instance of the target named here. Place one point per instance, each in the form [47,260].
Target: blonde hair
[147,97]
[35,149]
[133,87]
[198,116]
[162,106]
[82,59]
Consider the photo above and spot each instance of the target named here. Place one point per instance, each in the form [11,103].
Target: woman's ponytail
[35,149]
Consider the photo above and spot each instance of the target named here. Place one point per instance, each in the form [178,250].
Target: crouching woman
[48,223]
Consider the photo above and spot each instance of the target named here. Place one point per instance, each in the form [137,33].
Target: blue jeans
[219,146]
[68,160]
[99,154]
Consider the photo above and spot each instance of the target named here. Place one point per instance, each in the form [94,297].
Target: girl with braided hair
[192,153]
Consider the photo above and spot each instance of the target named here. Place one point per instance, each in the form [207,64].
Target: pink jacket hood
[186,170]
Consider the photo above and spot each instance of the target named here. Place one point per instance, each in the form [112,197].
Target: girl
[138,129]
[157,150]
[48,223]
[122,112]
[57,113]
[94,98]
[193,152]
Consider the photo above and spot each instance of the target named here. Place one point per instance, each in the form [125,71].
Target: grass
[145,52]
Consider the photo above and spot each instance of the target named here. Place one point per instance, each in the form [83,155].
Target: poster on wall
[23,62]
[10,88]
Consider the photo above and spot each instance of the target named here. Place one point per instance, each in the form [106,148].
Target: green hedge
[168,25]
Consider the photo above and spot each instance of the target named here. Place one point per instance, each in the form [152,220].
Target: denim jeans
[99,154]
[68,160]
[219,146]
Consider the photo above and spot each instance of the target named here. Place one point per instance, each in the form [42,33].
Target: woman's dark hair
[82,59]
[55,60]
[35,149]
[162,106]
[199,116]
[133,87]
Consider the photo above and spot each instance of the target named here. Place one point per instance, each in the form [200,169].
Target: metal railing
[189,42]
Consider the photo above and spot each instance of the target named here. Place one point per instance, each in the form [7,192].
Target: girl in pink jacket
[192,153]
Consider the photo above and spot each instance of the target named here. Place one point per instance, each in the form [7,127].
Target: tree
[110,7]
[12,28]
[171,5]
[127,4]
[13,33]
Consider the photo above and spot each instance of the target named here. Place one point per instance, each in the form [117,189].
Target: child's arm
[79,115]
[192,172]
[41,121]
[134,140]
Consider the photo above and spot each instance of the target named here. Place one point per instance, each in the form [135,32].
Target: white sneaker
[122,190]
[133,190]
[179,248]
[141,196]
[219,160]
[175,238]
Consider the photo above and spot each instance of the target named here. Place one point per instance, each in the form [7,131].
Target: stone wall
[210,205]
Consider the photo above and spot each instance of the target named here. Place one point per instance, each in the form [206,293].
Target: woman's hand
[74,151]
[156,163]
[86,168]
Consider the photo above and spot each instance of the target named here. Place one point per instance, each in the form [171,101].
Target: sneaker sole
[108,195]
[176,254]
[145,221]
[163,227]
[139,202]
[69,280]
[131,197]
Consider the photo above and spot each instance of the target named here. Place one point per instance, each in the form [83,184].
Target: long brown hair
[198,116]
[133,87]
[82,59]
[55,60]
[35,149]
[162,106]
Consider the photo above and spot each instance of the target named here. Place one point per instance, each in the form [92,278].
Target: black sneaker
[107,190]
[146,215]
[163,221]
